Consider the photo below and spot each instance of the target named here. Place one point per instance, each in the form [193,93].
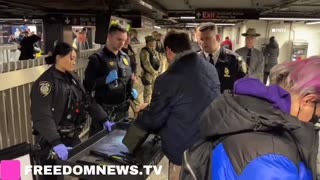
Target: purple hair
[301,76]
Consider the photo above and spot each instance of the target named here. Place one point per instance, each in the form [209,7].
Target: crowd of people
[215,116]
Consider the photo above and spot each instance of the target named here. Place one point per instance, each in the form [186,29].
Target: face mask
[315,119]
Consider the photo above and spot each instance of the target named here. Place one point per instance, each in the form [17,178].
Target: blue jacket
[180,95]
[254,138]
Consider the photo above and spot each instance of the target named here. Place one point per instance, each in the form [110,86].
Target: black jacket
[49,97]
[229,67]
[248,128]
[132,57]
[99,66]
[179,97]
[27,47]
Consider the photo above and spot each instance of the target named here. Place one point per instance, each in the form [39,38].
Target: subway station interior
[83,24]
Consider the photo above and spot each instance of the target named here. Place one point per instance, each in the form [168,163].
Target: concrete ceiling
[160,9]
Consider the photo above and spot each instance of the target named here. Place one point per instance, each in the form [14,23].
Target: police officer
[108,77]
[229,65]
[59,106]
[150,64]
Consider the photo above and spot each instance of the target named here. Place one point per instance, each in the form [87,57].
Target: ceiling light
[310,23]
[192,24]
[145,4]
[10,19]
[225,24]
[157,27]
[289,19]
[187,17]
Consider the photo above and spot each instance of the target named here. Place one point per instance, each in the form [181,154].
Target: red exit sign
[208,15]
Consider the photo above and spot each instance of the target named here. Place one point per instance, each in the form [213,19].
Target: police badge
[125,61]
[226,72]
[45,88]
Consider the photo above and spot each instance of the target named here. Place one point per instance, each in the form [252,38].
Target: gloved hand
[134,93]
[62,151]
[108,125]
[113,75]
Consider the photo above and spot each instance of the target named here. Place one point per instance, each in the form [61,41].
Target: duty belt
[116,107]
[111,110]
[69,131]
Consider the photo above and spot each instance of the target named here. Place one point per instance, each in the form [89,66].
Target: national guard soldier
[229,65]
[59,106]
[108,77]
[150,64]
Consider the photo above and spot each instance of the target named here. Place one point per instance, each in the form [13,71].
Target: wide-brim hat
[251,32]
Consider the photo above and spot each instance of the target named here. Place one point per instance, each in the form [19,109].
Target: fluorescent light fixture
[157,27]
[10,19]
[225,24]
[187,17]
[311,23]
[192,24]
[77,27]
[145,4]
[289,19]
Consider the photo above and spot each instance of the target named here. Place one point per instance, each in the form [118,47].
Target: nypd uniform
[229,65]
[113,97]
[59,107]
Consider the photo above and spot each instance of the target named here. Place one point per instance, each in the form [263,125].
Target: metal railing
[16,82]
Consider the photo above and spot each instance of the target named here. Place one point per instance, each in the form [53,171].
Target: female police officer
[59,105]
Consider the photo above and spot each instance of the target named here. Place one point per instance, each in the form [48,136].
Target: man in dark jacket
[27,46]
[229,65]
[179,97]
[271,53]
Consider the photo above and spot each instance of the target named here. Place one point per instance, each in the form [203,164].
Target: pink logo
[10,170]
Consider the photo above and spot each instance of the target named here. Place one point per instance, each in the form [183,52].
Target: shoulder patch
[45,88]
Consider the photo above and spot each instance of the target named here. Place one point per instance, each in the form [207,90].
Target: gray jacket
[256,67]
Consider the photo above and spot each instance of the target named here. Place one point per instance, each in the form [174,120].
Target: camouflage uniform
[150,63]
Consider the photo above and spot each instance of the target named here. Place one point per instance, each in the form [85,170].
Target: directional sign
[79,21]
[66,20]
[227,14]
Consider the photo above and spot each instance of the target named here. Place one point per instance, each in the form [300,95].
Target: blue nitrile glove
[62,151]
[113,75]
[134,93]
[108,125]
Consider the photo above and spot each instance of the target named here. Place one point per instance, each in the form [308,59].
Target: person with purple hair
[261,132]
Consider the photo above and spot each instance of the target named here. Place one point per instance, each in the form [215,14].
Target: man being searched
[229,65]
[150,64]
[252,56]
[179,97]
[108,77]
[262,132]
[59,106]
